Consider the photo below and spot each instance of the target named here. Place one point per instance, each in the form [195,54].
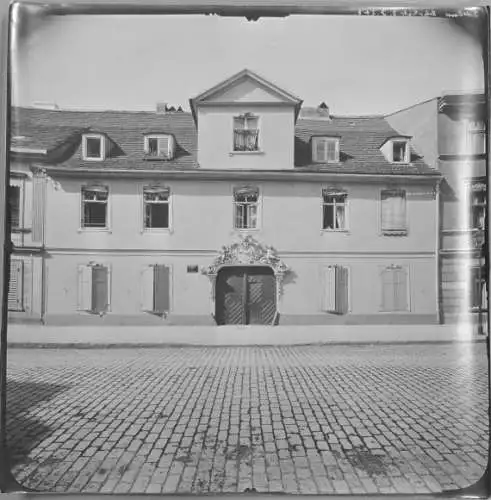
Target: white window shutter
[329,289]
[388,289]
[164,146]
[400,289]
[147,280]
[109,287]
[15,286]
[84,288]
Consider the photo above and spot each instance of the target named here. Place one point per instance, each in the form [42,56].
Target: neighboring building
[242,211]
[450,133]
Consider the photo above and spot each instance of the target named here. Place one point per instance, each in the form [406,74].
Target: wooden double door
[245,295]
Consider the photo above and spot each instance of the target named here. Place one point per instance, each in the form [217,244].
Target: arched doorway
[245,295]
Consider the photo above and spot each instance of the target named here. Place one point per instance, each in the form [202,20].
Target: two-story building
[247,210]
[450,133]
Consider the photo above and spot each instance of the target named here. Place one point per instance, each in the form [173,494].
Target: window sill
[157,231]
[246,230]
[401,232]
[94,230]
[23,230]
[406,311]
[233,153]
[345,231]
[93,159]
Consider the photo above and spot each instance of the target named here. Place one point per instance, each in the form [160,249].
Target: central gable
[246,87]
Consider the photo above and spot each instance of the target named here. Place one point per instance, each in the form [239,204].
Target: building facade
[450,132]
[247,210]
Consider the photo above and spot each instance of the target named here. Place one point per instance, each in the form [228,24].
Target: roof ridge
[80,110]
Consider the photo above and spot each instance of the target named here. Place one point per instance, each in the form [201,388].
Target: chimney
[161,108]
[323,109]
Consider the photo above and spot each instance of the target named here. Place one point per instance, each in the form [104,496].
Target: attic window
[400,151]
[325,149]
[93,147]
[159,146]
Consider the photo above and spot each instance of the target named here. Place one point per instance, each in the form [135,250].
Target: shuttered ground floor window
[335,289]
[395,292]
[94,288]
[155,289]
[16,285]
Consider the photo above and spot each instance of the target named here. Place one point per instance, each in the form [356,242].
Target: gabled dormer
[397,149]
[246,122]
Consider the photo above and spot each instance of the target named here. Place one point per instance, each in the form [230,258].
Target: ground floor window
[16,282]
[94,288]
[395,293]
[155,289]
[335,289]
[477,298]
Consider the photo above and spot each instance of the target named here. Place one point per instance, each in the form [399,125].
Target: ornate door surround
[246,252]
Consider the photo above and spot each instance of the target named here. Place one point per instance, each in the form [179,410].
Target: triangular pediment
[246,87]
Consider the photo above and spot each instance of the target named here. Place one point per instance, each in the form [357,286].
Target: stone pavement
[301,419]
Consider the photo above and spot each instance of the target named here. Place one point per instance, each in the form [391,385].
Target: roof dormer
[93,147]
[397,149]
[325,149]
[159,146]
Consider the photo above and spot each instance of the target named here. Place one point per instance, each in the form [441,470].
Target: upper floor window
[246,201]
[477,204]
[156,207]
[14,206]
[93,147]
[94,207]
[475,137]
[334,204]
[400,151]
[159,146]
[325,149]
[394,220]
[246,133]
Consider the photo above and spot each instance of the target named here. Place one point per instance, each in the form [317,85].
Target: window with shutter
[155,289]
[335,289]
[393,203]
[14,206]
[38,204]
[100,289]
[16,282]
[394,284]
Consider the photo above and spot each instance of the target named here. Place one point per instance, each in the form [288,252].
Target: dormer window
[93,147]
[159,146]
[246,133]
[325,149]
[400,151]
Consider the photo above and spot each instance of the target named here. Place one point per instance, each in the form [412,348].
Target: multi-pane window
[94,288]
[477,283]
[475,137]
[246,202]
[159,146]
[334,203]
[394,219]
[246,133]
[16,281]
[400,152]
[325,149]
[14,206]
[155,289]
[335,289]
[93,147]
[394,281]
[156,207]
[94,207]
[477,205]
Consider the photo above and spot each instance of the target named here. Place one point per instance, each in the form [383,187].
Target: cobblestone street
[304,419]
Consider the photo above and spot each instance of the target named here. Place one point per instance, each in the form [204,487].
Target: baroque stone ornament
[247,251]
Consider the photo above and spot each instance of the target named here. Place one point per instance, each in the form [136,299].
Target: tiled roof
[360,140]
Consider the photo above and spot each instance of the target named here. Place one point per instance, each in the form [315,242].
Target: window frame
[325,138]
[258,204]
[407,270]
[340,190]
[245,116]
[82,228]
[407,152]
[151,230]
[470,268]
[170,146]
[102,140]
[469,198]
[395,232]
[19,183]
[470,130]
